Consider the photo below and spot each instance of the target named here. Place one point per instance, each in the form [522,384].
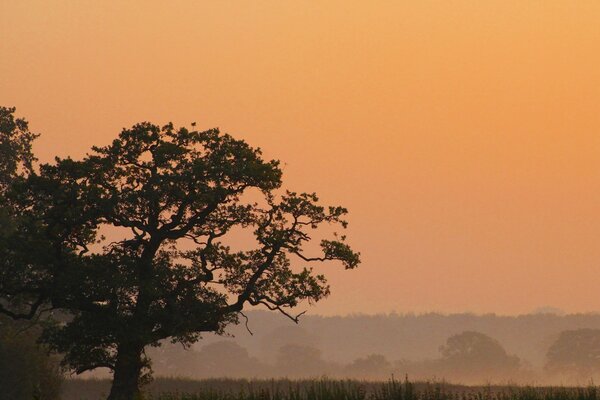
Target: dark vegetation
[27,371]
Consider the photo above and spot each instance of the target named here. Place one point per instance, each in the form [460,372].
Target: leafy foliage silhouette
[175,194]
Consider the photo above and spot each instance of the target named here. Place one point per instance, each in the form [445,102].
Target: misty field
[325,389]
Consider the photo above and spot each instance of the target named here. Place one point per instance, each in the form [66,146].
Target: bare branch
[246,323]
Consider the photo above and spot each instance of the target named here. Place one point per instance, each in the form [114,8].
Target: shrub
[26,370]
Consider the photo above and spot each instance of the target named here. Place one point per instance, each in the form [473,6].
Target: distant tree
[473,355]
[216,360]
[374,366]
[173,359]
[575,352]
[229,359]
[281,336]
[27,371]
[174,195]
[298,361]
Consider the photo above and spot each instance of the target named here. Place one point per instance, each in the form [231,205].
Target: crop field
[325,389]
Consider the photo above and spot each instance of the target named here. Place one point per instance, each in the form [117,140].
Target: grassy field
[324,389]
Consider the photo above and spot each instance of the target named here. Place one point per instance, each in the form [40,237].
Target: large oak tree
[168,198]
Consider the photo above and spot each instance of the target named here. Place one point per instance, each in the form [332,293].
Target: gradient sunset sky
[463,136]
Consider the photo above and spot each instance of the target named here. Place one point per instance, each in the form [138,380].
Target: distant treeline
[403,336]
[461,348]
[467,349]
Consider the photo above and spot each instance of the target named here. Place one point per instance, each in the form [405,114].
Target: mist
[458,348]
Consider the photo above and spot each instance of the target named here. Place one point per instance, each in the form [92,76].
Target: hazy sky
[464,136]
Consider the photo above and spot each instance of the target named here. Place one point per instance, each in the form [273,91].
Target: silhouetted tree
[575,352]
[160,187]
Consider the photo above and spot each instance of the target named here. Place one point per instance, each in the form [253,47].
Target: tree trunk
[126,378]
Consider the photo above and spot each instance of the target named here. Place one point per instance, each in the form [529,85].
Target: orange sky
[464,136]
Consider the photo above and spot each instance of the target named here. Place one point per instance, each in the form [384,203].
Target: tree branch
[29,315]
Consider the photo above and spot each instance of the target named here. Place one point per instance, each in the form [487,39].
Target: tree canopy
[173,195]
[575,352]
[476,355]
[16,158]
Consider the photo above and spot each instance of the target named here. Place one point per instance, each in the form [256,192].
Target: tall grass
[325,389]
